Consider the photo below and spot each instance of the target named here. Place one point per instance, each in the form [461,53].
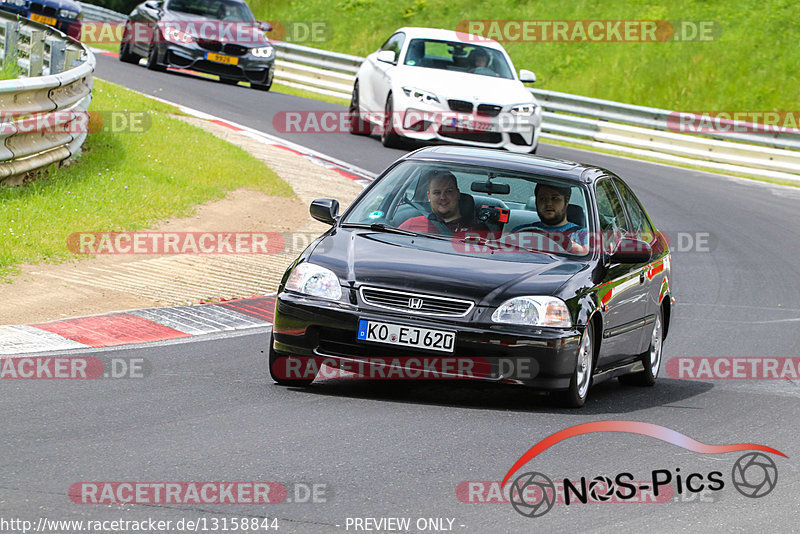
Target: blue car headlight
[314,280]
[533,311]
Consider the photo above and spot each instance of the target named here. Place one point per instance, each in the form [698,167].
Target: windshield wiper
[380,227]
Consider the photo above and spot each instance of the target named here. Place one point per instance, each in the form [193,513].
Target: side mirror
[264,26]
[325,210]
[387,56]
[152,4]
[526,76]
[631,250]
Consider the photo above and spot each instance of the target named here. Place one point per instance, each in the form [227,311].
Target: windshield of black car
[214,9]
[481,209]
[459,57]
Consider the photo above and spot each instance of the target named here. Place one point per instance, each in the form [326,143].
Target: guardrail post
[36,57]
[57,56]
[10,38]
[72,58]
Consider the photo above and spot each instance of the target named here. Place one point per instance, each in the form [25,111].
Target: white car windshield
[458,57]
[515,210]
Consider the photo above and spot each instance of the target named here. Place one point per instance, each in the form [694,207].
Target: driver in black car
[445,217]
[551,205]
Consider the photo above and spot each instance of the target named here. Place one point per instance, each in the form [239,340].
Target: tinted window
[639,223]
[612,216]
[461,57]
[395,43]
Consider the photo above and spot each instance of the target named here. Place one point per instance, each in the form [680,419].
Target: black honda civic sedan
[467,263]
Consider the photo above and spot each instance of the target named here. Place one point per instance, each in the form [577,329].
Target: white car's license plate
[407,336]
[471,125]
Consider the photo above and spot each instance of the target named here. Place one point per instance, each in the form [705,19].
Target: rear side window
[395,43]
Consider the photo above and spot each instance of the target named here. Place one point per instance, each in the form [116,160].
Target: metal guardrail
[43,115]
[92,12]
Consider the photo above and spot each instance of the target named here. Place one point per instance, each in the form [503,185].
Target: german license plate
[221,58]
[44,20]
[406,336]
[471,125]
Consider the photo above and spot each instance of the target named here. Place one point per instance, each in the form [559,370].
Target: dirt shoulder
[107,283]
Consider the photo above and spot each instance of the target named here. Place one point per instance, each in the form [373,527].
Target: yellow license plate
[220,58]
[44,20]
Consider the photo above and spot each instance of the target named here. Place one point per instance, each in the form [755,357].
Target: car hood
[462,85]
[425,265]
[216,30]
[63,4]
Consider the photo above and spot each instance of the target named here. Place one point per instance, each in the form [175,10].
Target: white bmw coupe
[444,86]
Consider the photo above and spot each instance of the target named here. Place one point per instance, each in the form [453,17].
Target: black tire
[389,137]
[651,358]
[125,54]
[357,125]
[581,380]
[275,359]
[152,59]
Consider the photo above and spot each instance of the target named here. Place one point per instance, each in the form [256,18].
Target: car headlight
[523,109]
[18,3]
[315,281]
[420,96]
[533,311]
[177,36]
[264,51]
[65,13]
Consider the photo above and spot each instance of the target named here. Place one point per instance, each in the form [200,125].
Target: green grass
[9,70]
[752,65]
[124,181]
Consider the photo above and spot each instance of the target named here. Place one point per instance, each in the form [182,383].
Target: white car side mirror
[387,56]
[526,76]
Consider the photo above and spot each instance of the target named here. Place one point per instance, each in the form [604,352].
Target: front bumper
[309,328]
[248,68]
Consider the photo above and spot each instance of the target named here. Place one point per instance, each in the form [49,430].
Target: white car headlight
[420,96]
[533,311]
[18,3]
[264,51]
[177,36]
[523,109]
[67,14]
[315,281]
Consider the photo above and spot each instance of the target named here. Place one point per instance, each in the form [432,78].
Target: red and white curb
[357,174]
[137,326]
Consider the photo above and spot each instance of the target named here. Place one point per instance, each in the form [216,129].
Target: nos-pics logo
[533,494]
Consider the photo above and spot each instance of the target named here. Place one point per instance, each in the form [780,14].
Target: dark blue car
[64,15]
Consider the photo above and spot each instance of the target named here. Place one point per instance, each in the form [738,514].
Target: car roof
[512,161]
[414,32]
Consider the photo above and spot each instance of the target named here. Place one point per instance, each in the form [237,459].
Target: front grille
[44,10]
[472,136]
[415,302]
[221,69]
[234,49]
[460,105]
[489,110]
[211,46]
[517,139]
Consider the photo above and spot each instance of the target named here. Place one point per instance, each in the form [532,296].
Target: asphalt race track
[209,412]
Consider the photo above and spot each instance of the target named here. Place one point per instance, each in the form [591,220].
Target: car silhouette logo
[415,303]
